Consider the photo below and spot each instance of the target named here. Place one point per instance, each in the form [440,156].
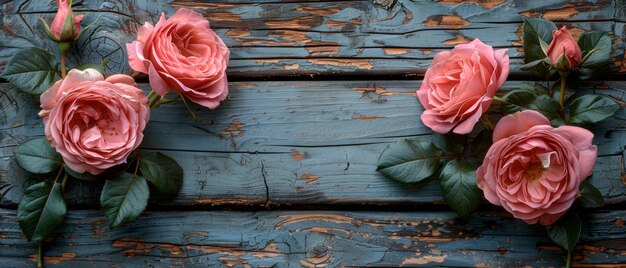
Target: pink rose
[182,53]
[459,86]
[60,30]
[534,170]
[563,43]
[94,123]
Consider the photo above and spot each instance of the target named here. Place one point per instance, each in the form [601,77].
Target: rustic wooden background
[283,173]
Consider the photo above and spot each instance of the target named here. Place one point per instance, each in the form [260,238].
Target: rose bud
[65,26]
[459,86]
[534,170]
[565,47]
[182,54]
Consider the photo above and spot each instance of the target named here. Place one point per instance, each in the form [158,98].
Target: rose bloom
[563,43]
[534,170]
[59,20]
[94,123]
[459,86]
[182,53]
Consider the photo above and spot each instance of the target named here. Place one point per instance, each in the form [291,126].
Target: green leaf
[449,143]
[163,172]
[31,70]
[539,28]
[410,161]
[41,210]
[458,186]
[124,198]
[37,156]
[590,196]
[518,100]
[591,108]
[480,145]
[599,45]
[565,231]
[537,32]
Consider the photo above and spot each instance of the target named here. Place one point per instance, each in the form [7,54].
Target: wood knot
[319,250]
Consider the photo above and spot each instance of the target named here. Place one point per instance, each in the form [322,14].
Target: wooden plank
[281,143]
[286,38]
[312,239]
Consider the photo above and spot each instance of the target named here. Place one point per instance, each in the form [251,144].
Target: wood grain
[294,38]
[312,239]
[298,143]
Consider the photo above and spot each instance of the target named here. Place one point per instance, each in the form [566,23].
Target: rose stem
[568,264]
[151,94]
[485,120]
[137,165]
[154,101]
[40,255]
[63,56]
[193,115]
[63,182]
[563,82]
[496,98]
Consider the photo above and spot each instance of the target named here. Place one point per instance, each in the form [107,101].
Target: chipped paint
[458,39]
[318,11]
[295,218]
[237,34]
[452,21]
[234,130]
[366,117]
[395,51]
[294,66]
[327,230]
[269,251]
[364,64]
[224,201]
[138,247]
[330,23]
[232,254]
[323,50]
[297,155]
[309,178]
[299,23]
[317,262]
[488,4]
[222,16]
[262,61]
[381,91]
[173,249]
[560,14]
[65,256]
[423,260]
[356,21]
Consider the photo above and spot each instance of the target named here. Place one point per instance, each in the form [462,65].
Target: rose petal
[517,123]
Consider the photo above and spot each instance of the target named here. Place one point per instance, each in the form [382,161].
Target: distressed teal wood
[296,38]
[294,142]
[312,239]
[307,144]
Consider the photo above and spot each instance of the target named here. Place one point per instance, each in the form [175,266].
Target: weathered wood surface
[290,143]
[312,239]
[307,144]
[285,38]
